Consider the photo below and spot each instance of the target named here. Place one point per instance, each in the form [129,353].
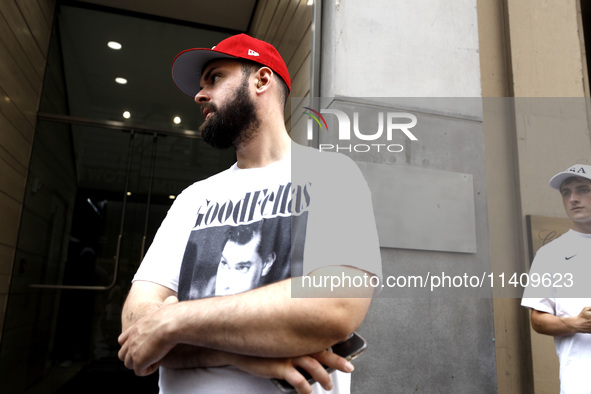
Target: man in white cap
[319,223]
[559,294]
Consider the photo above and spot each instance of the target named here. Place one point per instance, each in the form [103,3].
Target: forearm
[187,356]
[268,321]
[143,299]
[267,324]
[548,324]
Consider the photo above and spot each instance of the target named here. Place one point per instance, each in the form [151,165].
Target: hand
[286,368]
[584,320]
[143,345]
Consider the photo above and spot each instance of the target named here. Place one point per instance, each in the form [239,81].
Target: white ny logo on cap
[252,53]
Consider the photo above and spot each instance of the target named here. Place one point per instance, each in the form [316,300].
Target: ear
[263,76]
[268,263]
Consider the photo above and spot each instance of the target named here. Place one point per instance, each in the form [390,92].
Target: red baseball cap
[188,65]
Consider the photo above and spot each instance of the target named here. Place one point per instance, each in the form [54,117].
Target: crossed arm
[264,331]
[549,324]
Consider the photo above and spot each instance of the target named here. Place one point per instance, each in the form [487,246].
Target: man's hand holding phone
[317,367]
[298,373]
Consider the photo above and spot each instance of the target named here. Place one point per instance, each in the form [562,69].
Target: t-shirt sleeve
[162,262]
[341,223]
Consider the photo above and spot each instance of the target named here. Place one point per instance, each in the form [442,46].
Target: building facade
[500,92]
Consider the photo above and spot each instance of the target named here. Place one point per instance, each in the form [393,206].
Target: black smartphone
[349,349]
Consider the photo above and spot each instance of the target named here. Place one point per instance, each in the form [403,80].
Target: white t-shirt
[567,255]
[312,209]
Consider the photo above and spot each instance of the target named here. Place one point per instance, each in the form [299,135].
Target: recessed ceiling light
[114,45]
[127,114]
[121,81]
[172,197]
[176,120]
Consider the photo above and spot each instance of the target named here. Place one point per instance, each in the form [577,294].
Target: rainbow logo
[317,117]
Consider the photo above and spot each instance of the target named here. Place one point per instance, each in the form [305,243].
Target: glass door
[94,201]
[107,160]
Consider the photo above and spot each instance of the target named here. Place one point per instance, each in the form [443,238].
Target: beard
[233,124]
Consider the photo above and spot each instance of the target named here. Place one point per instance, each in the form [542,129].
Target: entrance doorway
[95,199]
[107,161]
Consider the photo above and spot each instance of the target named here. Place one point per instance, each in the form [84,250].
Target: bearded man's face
[232,123]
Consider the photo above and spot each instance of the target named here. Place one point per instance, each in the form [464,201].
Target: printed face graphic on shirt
[241,265]
[245,241]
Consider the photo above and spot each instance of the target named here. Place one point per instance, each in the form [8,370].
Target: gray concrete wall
[376,49]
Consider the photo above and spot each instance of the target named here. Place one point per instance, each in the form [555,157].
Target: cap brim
[557,179]
[188,66]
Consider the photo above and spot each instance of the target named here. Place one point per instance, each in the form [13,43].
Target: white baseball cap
[582,170]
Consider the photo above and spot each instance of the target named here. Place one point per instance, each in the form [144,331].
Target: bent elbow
[537,327]
[347,316]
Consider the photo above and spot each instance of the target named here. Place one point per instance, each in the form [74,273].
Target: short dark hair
[573,178]
[242,235]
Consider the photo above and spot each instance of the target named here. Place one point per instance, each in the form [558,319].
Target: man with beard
[318,223]
[233,124]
